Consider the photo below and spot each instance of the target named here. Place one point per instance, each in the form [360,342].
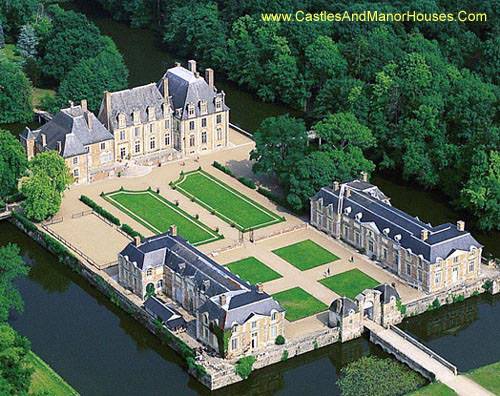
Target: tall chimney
[107,105]
[192,66]
[424,234]
[165,88]
[347,192]
[173,230]
[177,64]
[222,299]
[364,176]
[260,287]
[59,147]
[44,139]
[461,225]
[88,116]
[83,104]
[209,77]
[336,185]
[137,240]
[30,145]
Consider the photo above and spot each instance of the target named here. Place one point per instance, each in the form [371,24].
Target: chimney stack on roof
[222,299]
[364,176]
[336,185]
[173,230]
[59,147]
[177,64]
[461,225]
[209,77]
[88,117]
[83,104]
[44,139]
[137,240]
[107,106]
[347,192]
[424,234]
[165,88]
[192,66]
[260,287]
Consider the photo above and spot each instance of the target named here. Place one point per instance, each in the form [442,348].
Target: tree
[17,13]
[15,368]
[27,42]
[324,60]
[13,162]
[52,165]
[11,268]
[15,93]
[196,30]
[91,77]
[371,376]
[42,200]
[481,193]
[279,143]
[2,36]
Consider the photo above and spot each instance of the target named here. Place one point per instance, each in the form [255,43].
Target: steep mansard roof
[212,278]
[443,239]
[185,87]
[75,128]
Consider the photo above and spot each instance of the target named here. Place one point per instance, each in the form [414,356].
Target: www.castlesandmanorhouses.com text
[375,16]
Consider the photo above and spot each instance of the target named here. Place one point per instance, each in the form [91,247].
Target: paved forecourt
[157,214]
[225,202]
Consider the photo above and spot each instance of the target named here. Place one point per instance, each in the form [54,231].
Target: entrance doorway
[368,310]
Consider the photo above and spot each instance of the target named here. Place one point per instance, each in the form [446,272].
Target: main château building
[181,115]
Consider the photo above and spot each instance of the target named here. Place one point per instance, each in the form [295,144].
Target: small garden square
[305,255]
[253,270]
[299,303]
[349,283]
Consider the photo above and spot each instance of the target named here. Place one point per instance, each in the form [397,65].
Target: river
[101,351]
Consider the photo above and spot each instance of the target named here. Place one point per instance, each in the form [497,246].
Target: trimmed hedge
[26,223]
[247,182]
[223,168]
[100,210]
[130,231]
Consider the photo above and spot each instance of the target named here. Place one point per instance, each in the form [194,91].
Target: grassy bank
[434,389]
[46,379]
[488,377]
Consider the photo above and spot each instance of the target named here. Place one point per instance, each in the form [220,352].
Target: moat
[100,350]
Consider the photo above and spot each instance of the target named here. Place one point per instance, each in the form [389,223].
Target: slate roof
[170,317]
[240,306]
[387,292]
[185,87]
[342,306]
[443,239]
[213,279]
[71,127]
[130,100]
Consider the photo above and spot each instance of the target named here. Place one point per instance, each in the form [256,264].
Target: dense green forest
[43,46]
[427,92]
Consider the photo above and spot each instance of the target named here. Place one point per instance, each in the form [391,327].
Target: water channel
[101,351]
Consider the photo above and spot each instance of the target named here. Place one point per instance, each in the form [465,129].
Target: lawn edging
[183,175]
[58,386]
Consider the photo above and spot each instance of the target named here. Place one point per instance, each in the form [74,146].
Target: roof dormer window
[121,120]
[203,107]
[218,103]
[190,110]
[136,116]
[151,113]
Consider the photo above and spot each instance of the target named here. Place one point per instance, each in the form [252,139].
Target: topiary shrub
[222,168]
[247,182]
[280,340]
[244,366]
[284,356]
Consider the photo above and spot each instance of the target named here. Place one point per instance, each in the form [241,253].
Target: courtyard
[227,203]
[305,255]
[253,270]
[157,214]
[349,283]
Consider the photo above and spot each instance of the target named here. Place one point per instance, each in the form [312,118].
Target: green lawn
[305,255]
[349,283]
[253,270]
[39,93]
[434,389]
[46,379]
[299,303]
[488,377]
[158,214]
[230,205]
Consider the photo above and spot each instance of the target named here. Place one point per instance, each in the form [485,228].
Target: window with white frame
[103,146]
[437,277]
[167,139]
[122,135]
[219,133]
[471,266]
[191,140]
[191,125]
[273,332]
[76,172]
[254,325]
[167,124]
[408,269]
[218,104]
[190,110]
[137,132]
[152,143]
[218,118]
[203,122]
[149,272]
[203,137]
[137,147]
[75,160]
[234,344]
[274,316]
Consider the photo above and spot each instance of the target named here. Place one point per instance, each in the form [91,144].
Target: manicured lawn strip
[253,270]
[488,377]
[349,283]
[158,214]
[305,255]
[299,303]
[227,203]
[46,379]
[434,389]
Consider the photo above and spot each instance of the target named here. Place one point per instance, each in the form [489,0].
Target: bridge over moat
[422,359]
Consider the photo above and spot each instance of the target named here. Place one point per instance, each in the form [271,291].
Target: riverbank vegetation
[44,46]
[488,377]
[428,92]
[372,376]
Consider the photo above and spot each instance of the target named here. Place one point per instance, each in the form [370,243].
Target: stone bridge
[421,359]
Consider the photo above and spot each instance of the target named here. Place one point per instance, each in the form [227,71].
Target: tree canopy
[11,268]
[13,162]
[15,93]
